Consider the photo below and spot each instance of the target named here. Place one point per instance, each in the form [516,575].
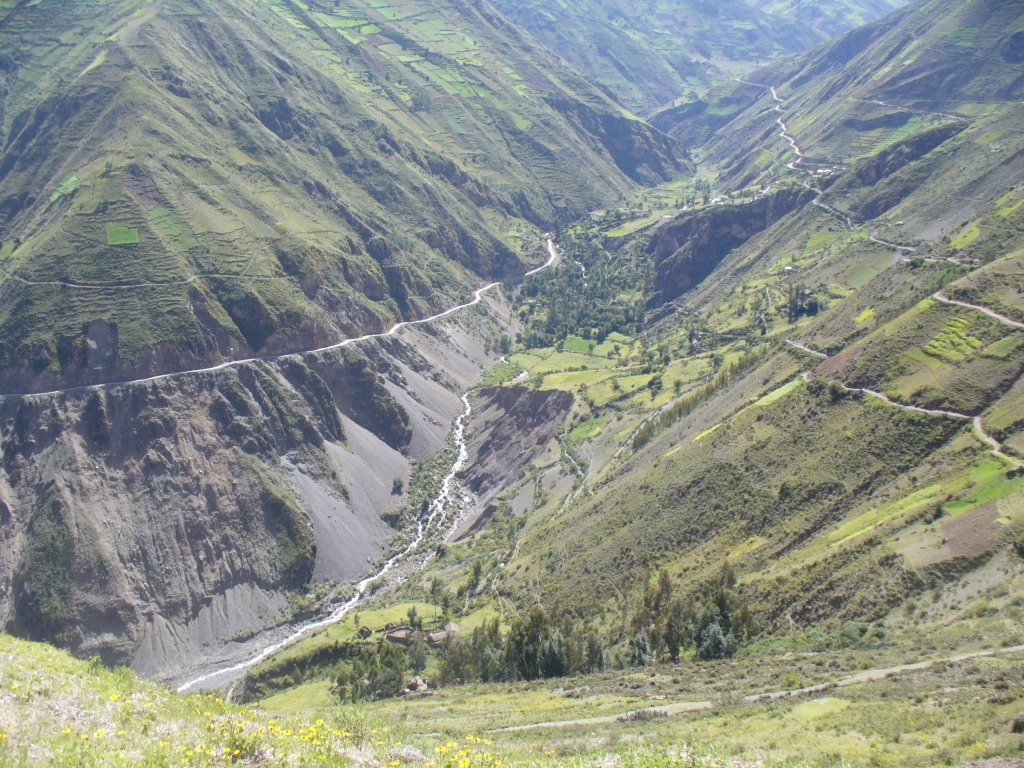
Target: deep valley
[496,383]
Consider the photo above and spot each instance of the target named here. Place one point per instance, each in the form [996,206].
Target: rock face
[876,183]
[510,427]
[147,523]
[689,248]
[513,424]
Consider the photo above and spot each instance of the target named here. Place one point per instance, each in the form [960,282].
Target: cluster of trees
[712,623]
[584,295]
[374,672]
[534,647]
[801,301]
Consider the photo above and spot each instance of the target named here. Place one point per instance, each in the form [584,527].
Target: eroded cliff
[151,523]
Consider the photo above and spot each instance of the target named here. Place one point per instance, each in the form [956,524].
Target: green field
[118,235]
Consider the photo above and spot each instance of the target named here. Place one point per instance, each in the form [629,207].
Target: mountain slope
[831,18]
[646,56]
[913,117]
[191,183]
[824,392]
[185,182]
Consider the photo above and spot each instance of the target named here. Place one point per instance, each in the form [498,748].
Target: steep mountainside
[748,448]
[188,182]
[150,523]
[913,118]
[876,457]
[646,55]
[192,196]
[833,17]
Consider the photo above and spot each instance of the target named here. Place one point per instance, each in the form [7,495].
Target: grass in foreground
[55,710]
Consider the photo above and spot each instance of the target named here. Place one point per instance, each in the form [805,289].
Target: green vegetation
[937,356]
[580,301]
[687,404]
[305,236]
[292,532]
[967,235]
[870,520]
[963,37]
[952,343]
[720,515]
[866,314]
[118,235]
[587,430]
[777,394]
[68,185]
[46,570]
[98,61]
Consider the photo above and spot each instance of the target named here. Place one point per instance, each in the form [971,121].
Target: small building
[435,639]
[402,636]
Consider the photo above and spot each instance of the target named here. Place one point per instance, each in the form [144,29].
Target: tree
[436,590]
[552,655]
[418,654]
[375,673]
[476,574]
[714,643]
[674,634]
[534,648]
[640,648]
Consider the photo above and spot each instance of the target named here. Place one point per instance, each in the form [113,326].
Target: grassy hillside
[649,55]
[778,515]
[831,18]
[810,442]
[186,182]
[908,123]
[55,710]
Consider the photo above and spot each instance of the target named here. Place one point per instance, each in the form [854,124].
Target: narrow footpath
[682,707]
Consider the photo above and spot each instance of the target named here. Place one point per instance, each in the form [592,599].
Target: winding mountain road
[984,310]
[794,165]
[808,350]
[912,408]
[888,244]
[145,283]
[979,428]
[438,522]
[976,421]
[553,255]
[921,111]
